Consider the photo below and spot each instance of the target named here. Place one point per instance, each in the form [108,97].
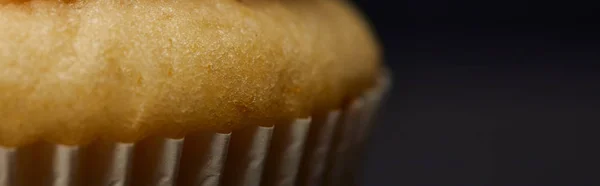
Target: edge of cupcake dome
[317,149]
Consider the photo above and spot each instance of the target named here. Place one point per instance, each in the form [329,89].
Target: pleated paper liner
[320,150]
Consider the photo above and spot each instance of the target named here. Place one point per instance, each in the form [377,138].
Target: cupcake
[179,92]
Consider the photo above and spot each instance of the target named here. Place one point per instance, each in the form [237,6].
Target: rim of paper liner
[353,161]
[307,151]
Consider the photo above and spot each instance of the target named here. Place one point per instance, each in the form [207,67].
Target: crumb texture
[74,71]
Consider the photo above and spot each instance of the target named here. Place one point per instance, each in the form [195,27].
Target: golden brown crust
[116,69]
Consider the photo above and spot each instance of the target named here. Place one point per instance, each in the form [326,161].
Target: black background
[487,93]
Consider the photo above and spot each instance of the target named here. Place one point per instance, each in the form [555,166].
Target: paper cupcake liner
[246,160]
[372,104]
[204,159]
[286,153]
[8,161]
[318,146]
[160,163]
[338,159]
[322,150]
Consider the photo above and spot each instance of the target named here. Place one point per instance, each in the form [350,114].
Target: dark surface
[487,93]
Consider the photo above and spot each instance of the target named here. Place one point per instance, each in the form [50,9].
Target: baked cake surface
[74,71]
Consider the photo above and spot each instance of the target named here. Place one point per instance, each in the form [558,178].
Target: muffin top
[73,71]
